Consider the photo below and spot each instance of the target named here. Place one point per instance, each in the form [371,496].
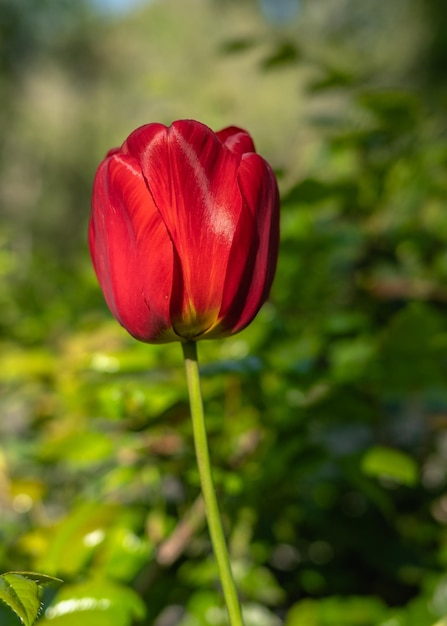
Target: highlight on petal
[237,140]
[245,296]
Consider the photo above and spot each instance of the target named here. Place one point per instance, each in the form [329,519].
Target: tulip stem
[206,481]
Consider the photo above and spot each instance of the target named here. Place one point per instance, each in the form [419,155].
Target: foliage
[326,417]
[22,591]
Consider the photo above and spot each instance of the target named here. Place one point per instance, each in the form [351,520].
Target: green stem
[206,481]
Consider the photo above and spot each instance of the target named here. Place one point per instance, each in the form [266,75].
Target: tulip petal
[245,291]
[131,250]
[194,186]
[238,277]
[237,140]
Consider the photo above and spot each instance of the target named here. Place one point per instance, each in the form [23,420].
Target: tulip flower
[184,231]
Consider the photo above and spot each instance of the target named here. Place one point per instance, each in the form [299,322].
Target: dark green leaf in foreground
[21,591]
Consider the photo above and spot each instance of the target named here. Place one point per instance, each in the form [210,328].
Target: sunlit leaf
[389,464]
[78,447]
[77,536]
[94,603]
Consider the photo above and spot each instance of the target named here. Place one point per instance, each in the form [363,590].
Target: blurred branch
[171,549]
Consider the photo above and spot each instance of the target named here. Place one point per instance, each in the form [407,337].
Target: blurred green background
[327,417]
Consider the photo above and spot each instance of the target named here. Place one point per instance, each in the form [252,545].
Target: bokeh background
[328,416]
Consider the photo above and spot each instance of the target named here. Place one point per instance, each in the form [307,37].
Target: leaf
[21,591]
[238,44]
[332,77]
[94,603]
[411,353]
[285,53]
[355,611]
[77,447]
[41,579]
[69,551]
[349,358]
[313,191]
[381,462]
[397,110]
[438,600]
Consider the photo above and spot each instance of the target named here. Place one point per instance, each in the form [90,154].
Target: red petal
[192,177]
[237,140]
[246,291]
[131,250]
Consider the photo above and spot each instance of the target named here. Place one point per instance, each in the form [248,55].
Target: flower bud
[184,231]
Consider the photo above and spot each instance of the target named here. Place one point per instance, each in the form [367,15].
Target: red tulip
[184,231]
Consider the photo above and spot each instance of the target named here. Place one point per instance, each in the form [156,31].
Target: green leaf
[350,358]
[238,44]
[94,603]
[285,53]
[386,463]
[411,352]
[21,591]
[397,110]
[332,611]
[314,191]
[69,550]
